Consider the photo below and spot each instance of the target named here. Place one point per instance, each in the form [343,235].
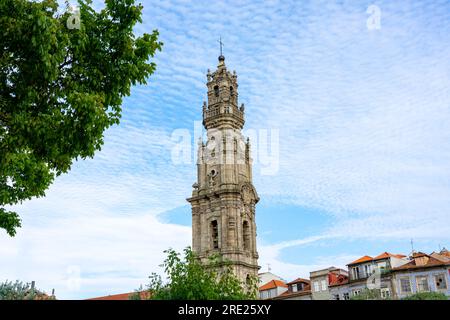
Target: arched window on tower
[248,281]
[214,234]
[231,91]
[216,91]
[246,235]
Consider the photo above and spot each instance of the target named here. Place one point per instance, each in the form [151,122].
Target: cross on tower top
[221,57]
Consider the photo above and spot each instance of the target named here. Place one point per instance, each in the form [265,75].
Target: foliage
[137,294]
[427,296]
[369,294]
[189,279]
[18,291]
[61,88]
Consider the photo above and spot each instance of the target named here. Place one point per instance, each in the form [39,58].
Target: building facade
[298,289]
[223,197]
[395,276]
[424,273]
[386,276]
[272,289]
[374,272]
[321,280]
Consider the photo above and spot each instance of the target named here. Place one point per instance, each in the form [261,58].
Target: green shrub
[17,291]
[427,296]
[189,279]
[369,294]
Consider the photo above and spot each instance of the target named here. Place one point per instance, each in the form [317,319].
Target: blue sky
[364,144]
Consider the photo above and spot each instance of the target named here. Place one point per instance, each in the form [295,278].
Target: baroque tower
[224,198]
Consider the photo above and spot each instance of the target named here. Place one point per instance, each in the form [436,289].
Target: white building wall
[268,276]
[412,275]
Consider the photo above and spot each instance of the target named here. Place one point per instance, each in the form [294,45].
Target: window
[405,285]
[246,235]
[367,270]
[323,285]
[316,286]
[272,293]
[346,296]
[216,91]
[356,292]
[294,288]
[382,267]
[231,91]
[355,271]
[422,283]
[299,286]
[385,293]
[215,234]
[440,281]
[336,297]
[264,294]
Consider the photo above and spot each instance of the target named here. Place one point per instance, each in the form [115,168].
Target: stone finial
[242,108]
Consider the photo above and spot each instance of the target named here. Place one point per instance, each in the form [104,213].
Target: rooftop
[386,255]
[299,280]
[122,296]
[422,260]
[361,260]
[272,285]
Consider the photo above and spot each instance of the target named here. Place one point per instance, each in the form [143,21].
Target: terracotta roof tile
[386,255]
[121,296]
[299,280]
[339,280]
[361,260]
[441,257]
[430,262]
[272,284]
[419,254]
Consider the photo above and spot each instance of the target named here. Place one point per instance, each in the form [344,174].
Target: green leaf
[66,89]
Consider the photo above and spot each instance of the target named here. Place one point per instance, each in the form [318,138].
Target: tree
[62,80]
[427,296]
[189,279]
[21,291]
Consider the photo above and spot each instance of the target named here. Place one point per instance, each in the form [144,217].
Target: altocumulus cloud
[363,124]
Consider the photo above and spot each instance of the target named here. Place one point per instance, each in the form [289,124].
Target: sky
[348,106]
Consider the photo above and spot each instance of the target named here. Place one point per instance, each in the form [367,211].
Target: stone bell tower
[224,198]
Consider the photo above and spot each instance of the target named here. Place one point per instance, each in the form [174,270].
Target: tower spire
[223,197]
[221,57]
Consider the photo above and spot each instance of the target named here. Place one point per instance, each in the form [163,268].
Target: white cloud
[111,254]
[364,136]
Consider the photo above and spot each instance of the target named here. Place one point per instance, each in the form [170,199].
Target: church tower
[224,198]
